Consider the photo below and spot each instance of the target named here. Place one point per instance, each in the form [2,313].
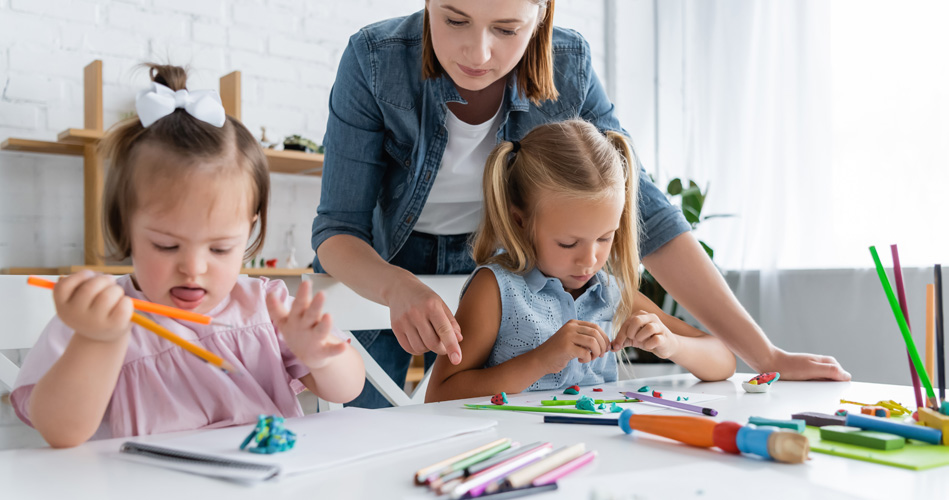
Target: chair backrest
[351,311]
[24,313]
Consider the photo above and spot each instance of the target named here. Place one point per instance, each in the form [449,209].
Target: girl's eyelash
[164,248]
[221,250]
[564,245]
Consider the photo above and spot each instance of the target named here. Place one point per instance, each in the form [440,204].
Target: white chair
[351,311]
[24,312]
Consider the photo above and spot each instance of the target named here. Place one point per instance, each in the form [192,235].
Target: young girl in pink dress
[187,189]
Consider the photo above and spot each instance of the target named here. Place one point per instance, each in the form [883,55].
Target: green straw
[530,408]
[904,328]
[561,402]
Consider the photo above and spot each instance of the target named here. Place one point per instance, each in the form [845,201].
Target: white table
[92,471]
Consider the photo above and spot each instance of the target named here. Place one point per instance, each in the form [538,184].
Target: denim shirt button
[408,163]
[408,219]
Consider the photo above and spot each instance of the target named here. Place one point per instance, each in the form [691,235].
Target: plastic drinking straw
[898,279]
[674,404]
[940,344]
[563,470]
[907,337]
[930,330]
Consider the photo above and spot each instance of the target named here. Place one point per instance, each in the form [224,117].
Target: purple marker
[674,404]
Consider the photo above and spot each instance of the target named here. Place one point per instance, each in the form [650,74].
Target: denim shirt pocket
[394,81]
[396,180]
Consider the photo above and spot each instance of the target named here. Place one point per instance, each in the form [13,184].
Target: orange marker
[159,330]
[145,306]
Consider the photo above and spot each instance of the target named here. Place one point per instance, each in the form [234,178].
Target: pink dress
[163,388]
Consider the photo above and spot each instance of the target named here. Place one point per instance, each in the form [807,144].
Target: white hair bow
[160,101]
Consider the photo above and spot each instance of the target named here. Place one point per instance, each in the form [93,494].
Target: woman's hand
[804,366]
[422,322]
[646,331]
[94,306]
[580,340]
[305,329]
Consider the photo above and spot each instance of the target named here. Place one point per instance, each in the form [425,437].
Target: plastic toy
[761,383]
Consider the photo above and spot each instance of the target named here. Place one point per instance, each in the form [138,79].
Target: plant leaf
[708,250]
[675,187]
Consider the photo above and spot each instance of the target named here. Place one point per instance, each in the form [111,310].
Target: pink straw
[898,278]
[555,474]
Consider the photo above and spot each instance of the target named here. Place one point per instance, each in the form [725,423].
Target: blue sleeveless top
[534,307]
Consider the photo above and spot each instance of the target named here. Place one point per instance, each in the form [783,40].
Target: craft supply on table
[674,404]
[796,425]
[760,383]
[766,442]
[573,390]
[541,409]
[269,436]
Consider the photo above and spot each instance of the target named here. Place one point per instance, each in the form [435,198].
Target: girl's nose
[192,264]
[587,256]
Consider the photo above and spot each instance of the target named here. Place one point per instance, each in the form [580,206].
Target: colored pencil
[930,330]
[520,492]
[904,330]
[500,457]
[462,464]
[563,419]
[476,484]
[530,408]
[674,404]
[524,476]
[572,402]
[898,279]
[166,334]
[554,475]
[145,306]
[425,472]
[940,341]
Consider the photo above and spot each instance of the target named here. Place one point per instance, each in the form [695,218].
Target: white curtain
[824,126]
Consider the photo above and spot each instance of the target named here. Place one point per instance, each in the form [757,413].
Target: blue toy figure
[270,436]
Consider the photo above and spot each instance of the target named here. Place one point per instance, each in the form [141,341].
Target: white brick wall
[287,51]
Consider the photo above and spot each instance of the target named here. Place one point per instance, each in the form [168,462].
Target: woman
[418,103]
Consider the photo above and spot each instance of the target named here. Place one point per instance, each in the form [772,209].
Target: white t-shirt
[454,204]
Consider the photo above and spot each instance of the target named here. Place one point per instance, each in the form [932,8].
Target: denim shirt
[534,307]
[386,135]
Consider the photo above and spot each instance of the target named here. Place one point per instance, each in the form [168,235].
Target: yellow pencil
[200,352]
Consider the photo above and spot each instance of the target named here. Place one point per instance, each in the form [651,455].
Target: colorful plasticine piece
[936,420]
[767,442]
[876,411]
[585,403]
[573,390]
[270,436]
[602,406]
[944,408]
[678,398]
[499,399]
[656,394]
[644,388]
[911,431]
[761,383]
[860,437]
[615,409]
[796,425]
[815,419]
[597,389]
[841,413]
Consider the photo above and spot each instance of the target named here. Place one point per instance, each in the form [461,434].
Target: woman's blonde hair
[535,71]
[570,158]
[188,139]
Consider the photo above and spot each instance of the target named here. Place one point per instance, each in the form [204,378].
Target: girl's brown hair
[189,140]
[535,71]
[570,158]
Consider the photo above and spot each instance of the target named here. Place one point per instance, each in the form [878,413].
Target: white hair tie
[160,101]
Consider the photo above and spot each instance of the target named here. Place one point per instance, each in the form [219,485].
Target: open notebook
[323,440]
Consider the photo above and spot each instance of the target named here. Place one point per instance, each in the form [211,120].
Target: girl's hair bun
[173,77]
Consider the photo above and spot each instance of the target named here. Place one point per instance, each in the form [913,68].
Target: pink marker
[554,475]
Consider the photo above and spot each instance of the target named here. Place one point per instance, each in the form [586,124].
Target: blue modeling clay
[270,436]
[585,403]
[644,388]
[601,407]
[615,409]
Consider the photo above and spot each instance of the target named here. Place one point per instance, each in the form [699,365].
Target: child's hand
[580,340]
[645,331]
[93,305]
[305,328]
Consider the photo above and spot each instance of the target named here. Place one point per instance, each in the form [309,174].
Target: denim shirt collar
[447,92]
[537,281]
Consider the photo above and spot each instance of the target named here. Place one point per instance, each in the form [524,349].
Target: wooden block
[816,419]
[859,437]
[936,420]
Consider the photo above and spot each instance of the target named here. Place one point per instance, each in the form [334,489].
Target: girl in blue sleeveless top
[558,272]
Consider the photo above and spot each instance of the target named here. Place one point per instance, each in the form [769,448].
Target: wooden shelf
[273,272]
[45,147]
[83,142]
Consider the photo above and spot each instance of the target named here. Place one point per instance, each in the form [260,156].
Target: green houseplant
[691,200]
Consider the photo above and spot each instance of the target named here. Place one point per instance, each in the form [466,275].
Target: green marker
[530,408]
[565,402]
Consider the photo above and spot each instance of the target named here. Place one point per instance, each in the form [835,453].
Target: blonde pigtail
[624,256]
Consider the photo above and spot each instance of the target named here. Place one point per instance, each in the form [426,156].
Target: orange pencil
[159,330]
[166,334]
[145,306]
